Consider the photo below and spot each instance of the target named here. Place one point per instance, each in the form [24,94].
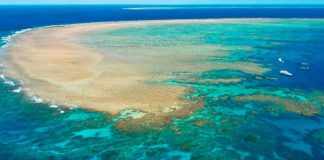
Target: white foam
[37,99]
[5,81]
[61,111]
[73,107]
[11,83]
[3,77]
[53,106]
[7,39]
[23,31]
[3,47]
[18,90]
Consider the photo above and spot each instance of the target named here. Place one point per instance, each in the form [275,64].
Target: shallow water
[264,116]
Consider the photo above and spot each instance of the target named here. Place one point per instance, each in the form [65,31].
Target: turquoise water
[264,116]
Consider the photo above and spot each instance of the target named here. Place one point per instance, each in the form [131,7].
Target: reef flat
[54,64]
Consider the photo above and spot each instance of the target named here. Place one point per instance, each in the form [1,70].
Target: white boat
[280,60]
[284,72]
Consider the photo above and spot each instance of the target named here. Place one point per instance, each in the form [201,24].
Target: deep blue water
[19,17]
[30,130]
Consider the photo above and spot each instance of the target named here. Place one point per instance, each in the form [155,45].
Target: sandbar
[53,66]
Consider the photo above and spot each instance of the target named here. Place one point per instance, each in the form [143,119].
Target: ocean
[259,116]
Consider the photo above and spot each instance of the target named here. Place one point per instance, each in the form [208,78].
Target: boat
[286,73]
[280,60]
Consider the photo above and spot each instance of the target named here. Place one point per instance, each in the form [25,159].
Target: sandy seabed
[59,70]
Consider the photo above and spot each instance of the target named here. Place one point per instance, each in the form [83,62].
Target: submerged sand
[56,68]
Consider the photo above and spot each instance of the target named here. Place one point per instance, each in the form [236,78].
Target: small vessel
[284,72]
[280,60]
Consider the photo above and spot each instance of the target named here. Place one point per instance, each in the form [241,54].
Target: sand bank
[306,108]
[56,68]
